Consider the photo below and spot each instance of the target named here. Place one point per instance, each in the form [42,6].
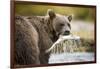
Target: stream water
[71,57]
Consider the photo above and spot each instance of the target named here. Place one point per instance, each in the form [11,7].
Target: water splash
[65,44]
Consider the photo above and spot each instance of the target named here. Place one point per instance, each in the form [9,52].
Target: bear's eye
[61,24]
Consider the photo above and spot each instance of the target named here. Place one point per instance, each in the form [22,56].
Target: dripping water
[65,44]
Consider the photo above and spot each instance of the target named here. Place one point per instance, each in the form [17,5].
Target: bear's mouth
[66,33]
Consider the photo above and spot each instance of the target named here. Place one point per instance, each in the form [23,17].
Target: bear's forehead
[61,18]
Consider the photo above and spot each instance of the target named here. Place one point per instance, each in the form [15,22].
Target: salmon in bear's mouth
[65,39]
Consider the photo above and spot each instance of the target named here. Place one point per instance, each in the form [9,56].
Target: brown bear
[36,34]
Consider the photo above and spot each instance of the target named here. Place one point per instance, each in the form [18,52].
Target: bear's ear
[51,13]
[70,18]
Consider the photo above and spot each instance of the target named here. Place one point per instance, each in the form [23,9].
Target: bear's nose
[66,32]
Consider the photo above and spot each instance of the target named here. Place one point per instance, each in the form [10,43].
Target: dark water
[71,57]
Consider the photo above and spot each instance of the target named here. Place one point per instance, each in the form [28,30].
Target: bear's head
[60,24]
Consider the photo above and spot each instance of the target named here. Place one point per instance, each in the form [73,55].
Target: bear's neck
[50,30]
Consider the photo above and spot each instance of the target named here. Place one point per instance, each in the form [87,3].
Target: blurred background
[83,23]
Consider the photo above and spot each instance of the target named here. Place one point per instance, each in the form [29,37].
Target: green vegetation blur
[82,13]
